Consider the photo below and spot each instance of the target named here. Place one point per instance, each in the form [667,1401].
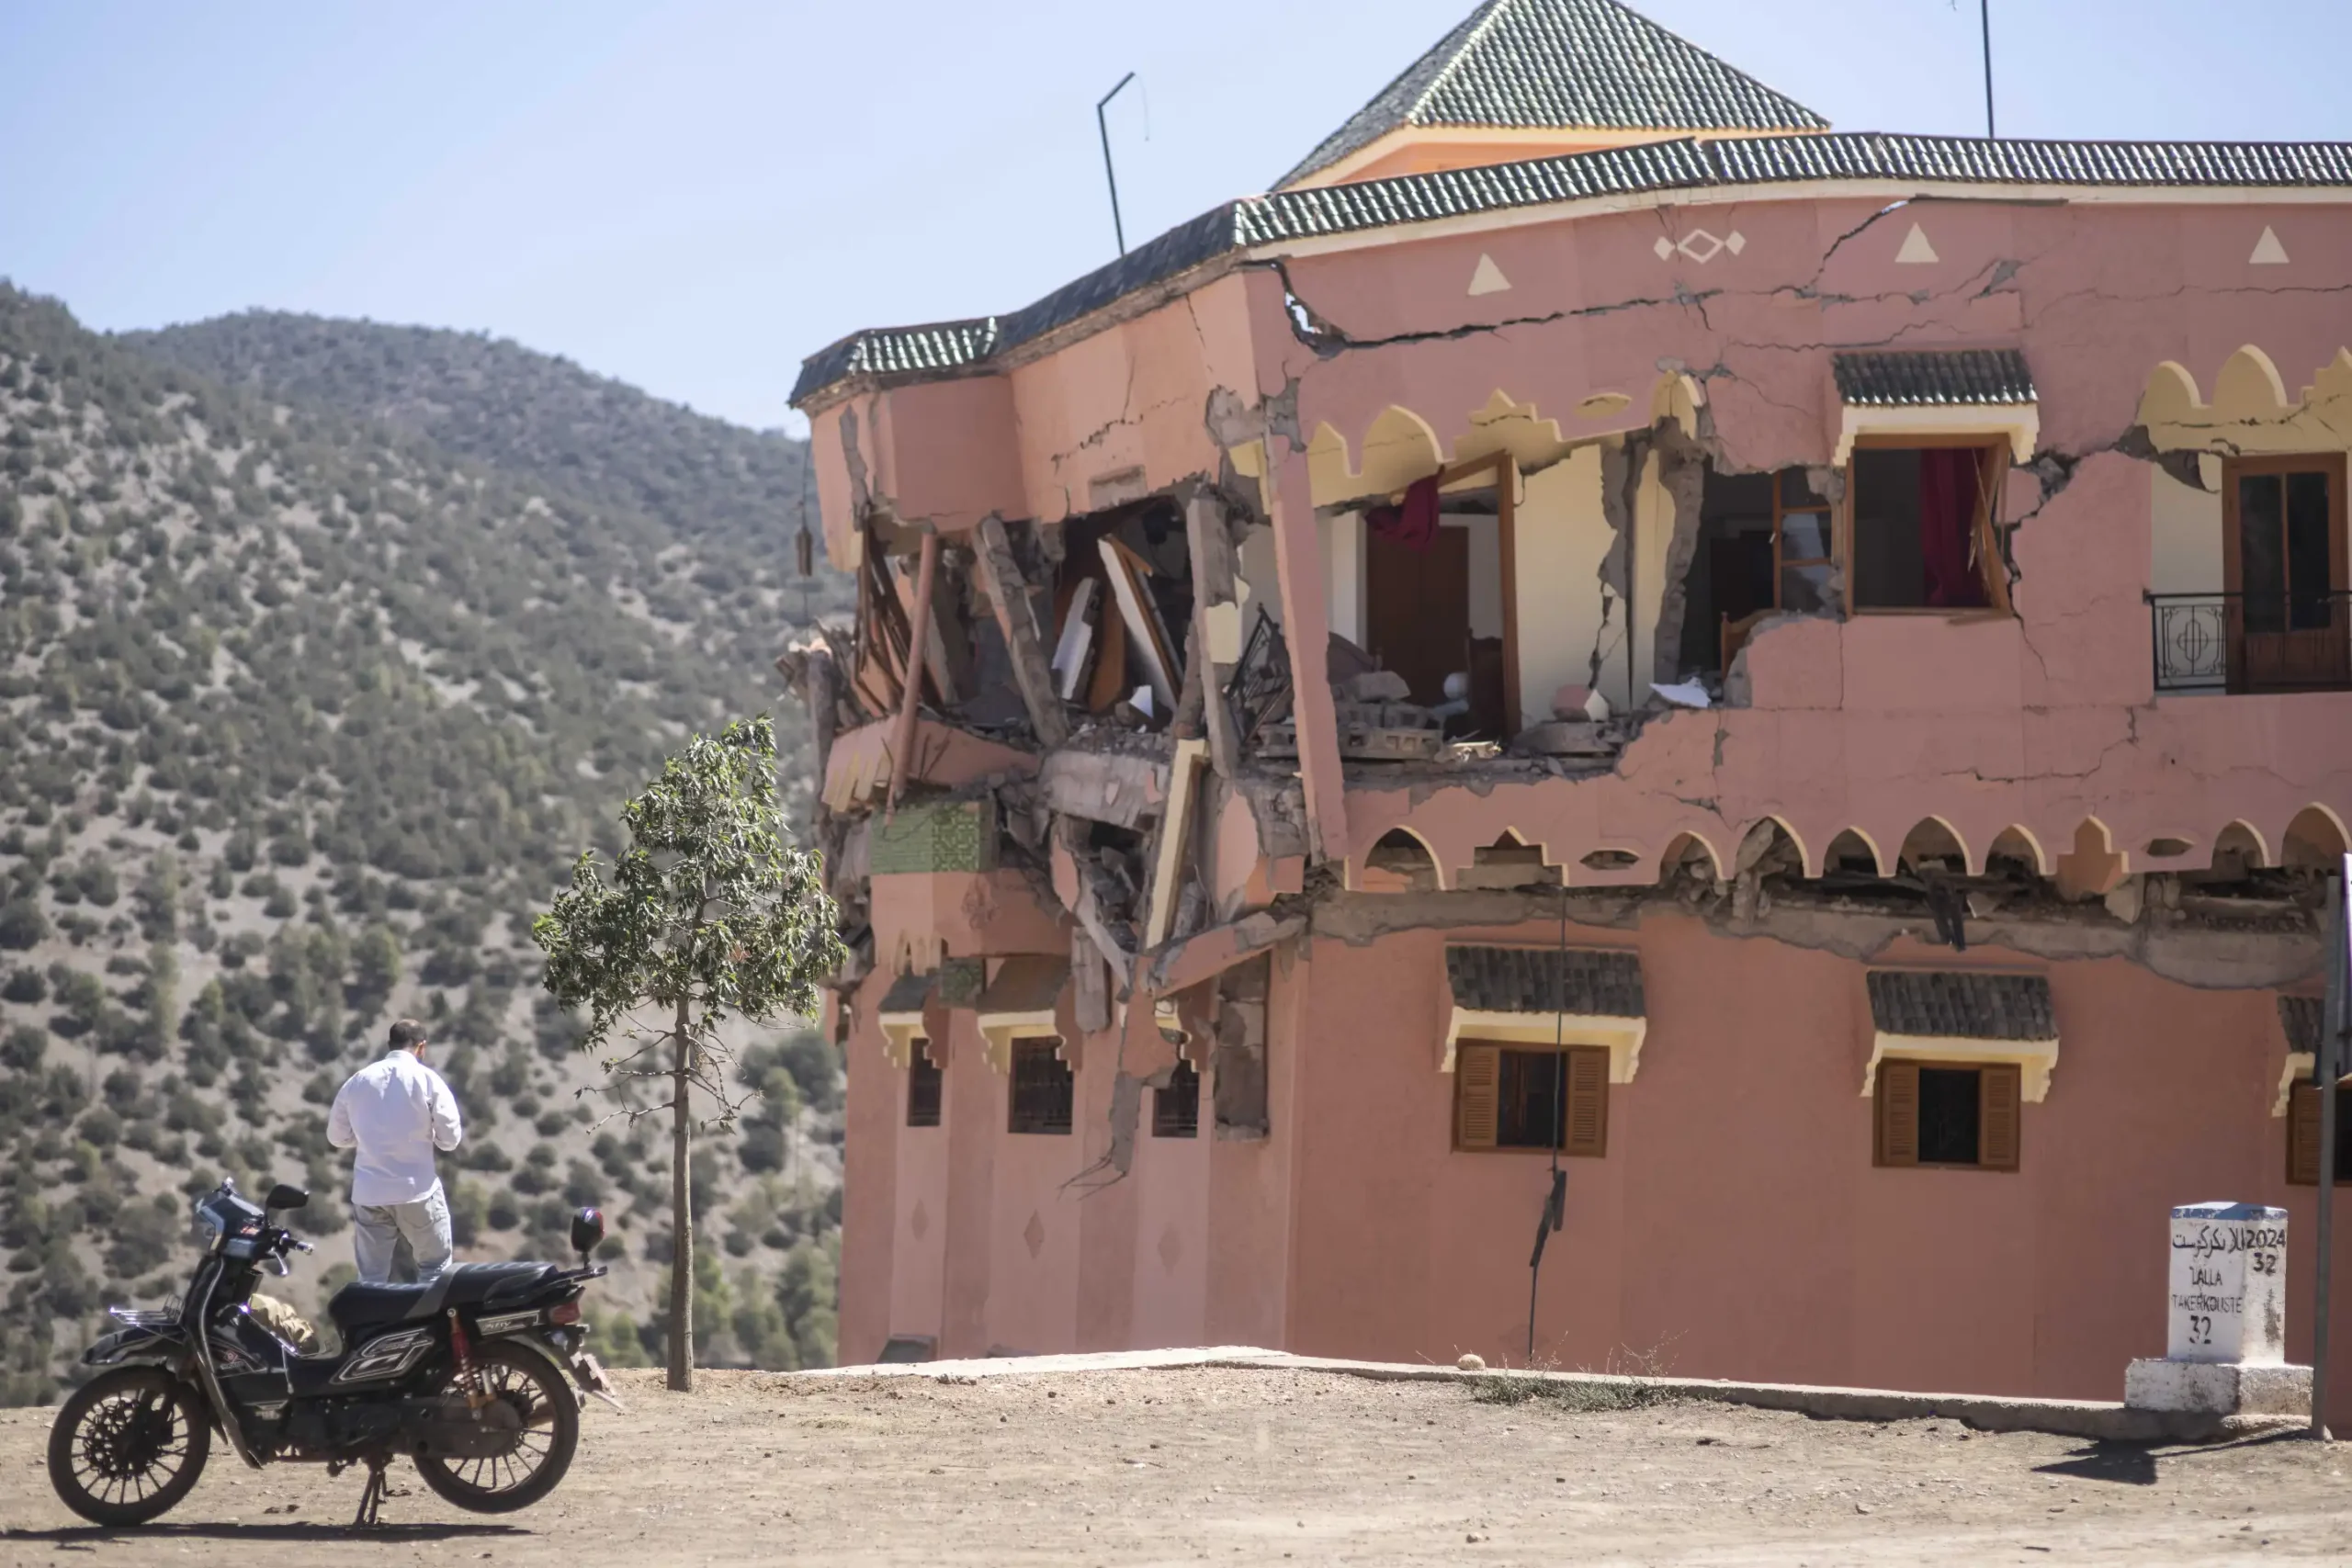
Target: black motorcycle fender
[137,1345]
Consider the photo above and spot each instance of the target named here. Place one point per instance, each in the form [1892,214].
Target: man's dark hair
[407,1033]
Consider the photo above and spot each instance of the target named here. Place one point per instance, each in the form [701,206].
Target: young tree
[709,913]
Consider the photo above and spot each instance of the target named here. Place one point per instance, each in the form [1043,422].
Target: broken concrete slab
[1122,789]
[857,772]
[1210,953]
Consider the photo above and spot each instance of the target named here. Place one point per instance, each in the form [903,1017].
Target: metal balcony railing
[2252,642]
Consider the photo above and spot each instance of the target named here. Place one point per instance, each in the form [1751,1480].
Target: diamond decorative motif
[919,1220]
[1172,1248]
[1700,246]
[1034,1234]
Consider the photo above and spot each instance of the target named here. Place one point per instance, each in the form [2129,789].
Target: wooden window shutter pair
[1999,1106]
[1478,1090]
[1478,1071]
[1588,1133]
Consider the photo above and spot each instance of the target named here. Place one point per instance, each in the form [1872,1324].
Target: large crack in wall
[2202,957]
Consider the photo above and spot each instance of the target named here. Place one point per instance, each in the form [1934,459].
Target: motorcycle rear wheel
[548,1435]
[128,1446]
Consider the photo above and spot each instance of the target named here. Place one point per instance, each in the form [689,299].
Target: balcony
[2251,641]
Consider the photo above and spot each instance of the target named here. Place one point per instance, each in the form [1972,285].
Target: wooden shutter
[2302,1134]
[1588,1131]
[1477,1086]
[1992,470]
[1997,1089]
[1898,1112]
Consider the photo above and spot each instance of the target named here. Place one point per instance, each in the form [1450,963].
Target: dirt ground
[1238,1466]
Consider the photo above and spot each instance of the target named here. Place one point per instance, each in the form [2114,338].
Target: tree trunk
[682,1210]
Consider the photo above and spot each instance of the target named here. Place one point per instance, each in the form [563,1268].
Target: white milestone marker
[2225,1317]
[2227,1290]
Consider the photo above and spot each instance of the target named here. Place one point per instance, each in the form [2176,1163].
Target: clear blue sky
[692,197]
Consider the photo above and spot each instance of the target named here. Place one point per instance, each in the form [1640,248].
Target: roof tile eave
[1676,163]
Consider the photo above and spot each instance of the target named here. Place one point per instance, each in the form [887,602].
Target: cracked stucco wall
[2186,537]
[1120,413]
[2041,724]
[1565,619]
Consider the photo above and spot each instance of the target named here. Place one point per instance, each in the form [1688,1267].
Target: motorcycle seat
[357,1306]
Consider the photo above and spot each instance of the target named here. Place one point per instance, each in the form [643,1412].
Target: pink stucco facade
[1737,1224]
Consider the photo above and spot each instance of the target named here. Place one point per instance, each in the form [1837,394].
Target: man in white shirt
[396,1111]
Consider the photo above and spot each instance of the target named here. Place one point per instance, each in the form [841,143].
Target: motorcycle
[466,1375]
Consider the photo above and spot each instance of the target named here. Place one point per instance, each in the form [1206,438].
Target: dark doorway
[2283,567]
[1441,610]
[1416,609]
[1764,544]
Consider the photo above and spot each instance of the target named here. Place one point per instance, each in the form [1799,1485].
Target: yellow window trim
[2300,1066]
[1621,1037]
[899,1032]
[2021,422]
[999,1029]
[2036,1058]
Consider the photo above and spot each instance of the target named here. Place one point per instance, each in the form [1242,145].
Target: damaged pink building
[1800,677]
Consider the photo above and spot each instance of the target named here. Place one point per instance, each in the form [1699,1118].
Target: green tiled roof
[952,348]
[1959,1005]
[2301,1018]
[1563,64]
[934,835]
[1932,379]
[1589,982]
[907,993]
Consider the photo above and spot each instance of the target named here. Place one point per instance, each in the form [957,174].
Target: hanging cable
[1554,1213]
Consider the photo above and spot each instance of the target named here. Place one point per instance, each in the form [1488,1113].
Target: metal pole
[1102,127]
[1985,16]
[1556,1206]
[2335,1018]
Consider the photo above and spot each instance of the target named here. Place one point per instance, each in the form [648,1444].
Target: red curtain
[1947,481]
[1413,524]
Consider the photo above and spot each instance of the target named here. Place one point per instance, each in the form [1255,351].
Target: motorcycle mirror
[285,1197]
[587,1230]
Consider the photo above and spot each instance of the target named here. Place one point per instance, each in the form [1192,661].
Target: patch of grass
[1633,1380]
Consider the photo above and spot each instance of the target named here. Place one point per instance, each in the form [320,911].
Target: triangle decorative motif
[2267,251]
[1916,251]
[1488,278]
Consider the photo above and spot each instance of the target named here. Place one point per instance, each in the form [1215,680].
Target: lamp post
[1984,18]
[1104,128]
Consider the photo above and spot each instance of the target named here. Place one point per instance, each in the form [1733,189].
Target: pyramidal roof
[1559,65]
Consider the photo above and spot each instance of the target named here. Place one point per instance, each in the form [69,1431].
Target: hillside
[302,716]
[726,497]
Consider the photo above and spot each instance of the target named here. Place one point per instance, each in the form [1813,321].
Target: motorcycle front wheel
[128,1446]
[547,1431]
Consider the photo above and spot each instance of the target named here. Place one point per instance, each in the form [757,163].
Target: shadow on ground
[85,1535]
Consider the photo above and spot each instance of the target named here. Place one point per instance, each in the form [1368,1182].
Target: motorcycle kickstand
[371,1499]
